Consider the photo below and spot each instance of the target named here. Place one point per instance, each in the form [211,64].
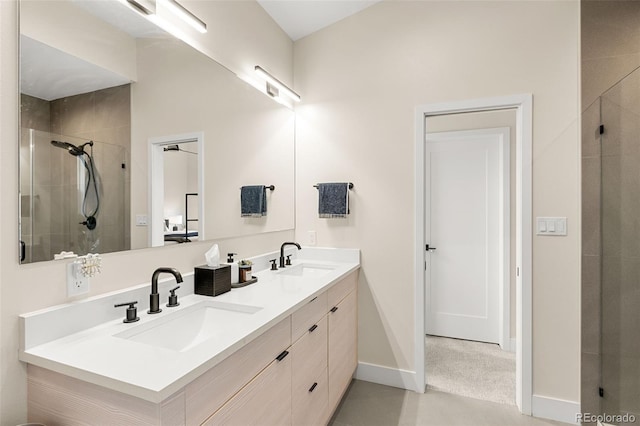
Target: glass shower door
[56,197]
[620,216]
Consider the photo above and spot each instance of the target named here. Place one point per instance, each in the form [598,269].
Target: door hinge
[425,265]
[518,271]
[601,392]
[601,129]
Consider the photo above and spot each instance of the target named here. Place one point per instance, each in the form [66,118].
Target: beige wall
[249,138]
[30,287]
[240,35]
[360,81]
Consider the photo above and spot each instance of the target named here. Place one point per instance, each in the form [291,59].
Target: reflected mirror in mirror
[105,101]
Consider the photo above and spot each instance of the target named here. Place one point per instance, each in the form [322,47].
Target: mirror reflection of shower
[91,196]
[74,194]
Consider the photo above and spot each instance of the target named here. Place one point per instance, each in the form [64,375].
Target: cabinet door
[209,392]
[264,401]
[310,397]
[342,351]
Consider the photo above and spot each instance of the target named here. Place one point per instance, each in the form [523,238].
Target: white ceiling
[49,74]
[299,18]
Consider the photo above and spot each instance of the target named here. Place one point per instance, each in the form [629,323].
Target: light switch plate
[141,220]
[312,238]
[553,226]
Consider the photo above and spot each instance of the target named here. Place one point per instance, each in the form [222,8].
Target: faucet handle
[273,265]
[288,260]
[173,298]
[132,311]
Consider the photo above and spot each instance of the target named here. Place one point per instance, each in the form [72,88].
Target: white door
[465,204]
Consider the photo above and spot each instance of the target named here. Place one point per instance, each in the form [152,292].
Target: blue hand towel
[253,201]
[333,200]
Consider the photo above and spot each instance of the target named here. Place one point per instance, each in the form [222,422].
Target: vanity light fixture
[145,7]
[274,83]
[184,14]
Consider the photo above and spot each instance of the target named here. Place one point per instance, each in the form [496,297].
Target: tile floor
[370,404]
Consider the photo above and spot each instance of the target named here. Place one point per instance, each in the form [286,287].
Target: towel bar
[350,186]
[269,187]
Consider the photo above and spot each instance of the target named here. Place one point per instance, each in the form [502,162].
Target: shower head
[73,150]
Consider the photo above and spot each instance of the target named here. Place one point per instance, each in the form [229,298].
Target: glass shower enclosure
[620,246]
[70,201]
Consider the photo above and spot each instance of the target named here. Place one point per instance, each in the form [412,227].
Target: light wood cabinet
[310,397]
[308,315]
[342,349]
[208,392]
[265,401]
[257,385]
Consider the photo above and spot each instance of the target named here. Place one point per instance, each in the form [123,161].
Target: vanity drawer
[340,290]
[309,355]
[265,401]
[311,403]
[308,315]
[209,392]
[310,391]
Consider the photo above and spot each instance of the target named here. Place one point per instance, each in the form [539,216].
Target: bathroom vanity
[281,351]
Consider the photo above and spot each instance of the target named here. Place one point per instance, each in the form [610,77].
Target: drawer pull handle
[313,387]
[335,308]
[313,327]
[313,299]
[282,356]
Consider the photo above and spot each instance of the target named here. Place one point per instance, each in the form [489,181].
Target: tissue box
[212,280]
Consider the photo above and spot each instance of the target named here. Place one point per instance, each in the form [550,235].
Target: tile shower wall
[104,117]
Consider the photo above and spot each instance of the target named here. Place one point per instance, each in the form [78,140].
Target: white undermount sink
[307,270]
[187,328]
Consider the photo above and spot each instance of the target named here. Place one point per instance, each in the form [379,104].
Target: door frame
[523,104]
[504,241]
[156,183]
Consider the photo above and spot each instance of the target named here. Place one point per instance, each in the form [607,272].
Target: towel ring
[350,186]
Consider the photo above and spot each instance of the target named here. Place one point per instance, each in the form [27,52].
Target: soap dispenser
[235,277]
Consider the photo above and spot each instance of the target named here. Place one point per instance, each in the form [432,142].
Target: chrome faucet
[282,264]
[154,298]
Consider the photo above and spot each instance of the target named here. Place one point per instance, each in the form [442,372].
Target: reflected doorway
[176,189]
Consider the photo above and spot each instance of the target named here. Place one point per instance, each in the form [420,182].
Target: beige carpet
[473,369]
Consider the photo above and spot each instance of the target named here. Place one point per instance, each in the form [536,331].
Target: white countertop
[96,355]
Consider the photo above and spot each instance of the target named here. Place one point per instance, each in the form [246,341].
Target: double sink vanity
[281,351]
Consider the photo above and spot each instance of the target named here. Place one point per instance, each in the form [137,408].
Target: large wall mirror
[131,138]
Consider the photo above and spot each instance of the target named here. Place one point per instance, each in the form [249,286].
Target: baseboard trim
[555,409]
[398,378]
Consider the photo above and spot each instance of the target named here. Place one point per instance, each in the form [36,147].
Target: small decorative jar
[244,269]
